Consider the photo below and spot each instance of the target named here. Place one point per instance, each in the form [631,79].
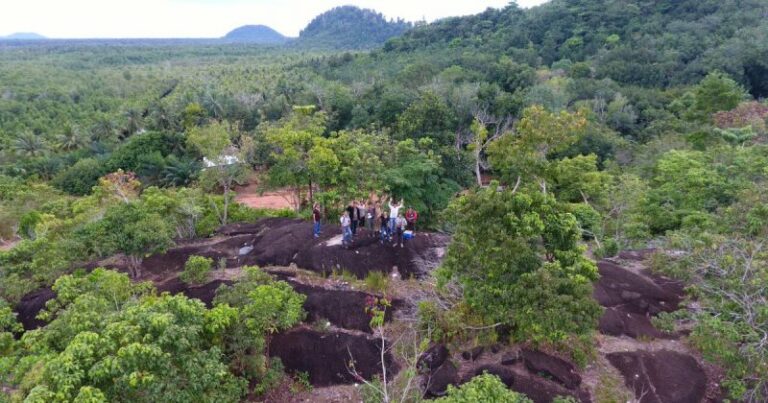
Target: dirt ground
[251,196]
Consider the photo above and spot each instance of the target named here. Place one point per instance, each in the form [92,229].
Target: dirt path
[250,196]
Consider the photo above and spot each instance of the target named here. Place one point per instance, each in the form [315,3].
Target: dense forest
[540,140]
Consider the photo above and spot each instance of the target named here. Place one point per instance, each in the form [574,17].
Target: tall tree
[523,267]
[301,155]
[525,154]
[223,165]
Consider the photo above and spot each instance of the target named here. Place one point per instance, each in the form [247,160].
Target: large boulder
[558,369]
[343,308]
[31,305]
[331,358]
[433,358]
[282,241]
[662,376]
[619,287]
[438,381]
[616,322]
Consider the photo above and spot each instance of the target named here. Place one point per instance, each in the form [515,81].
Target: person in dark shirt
[316,216]
[362,212]
[352,214]
[384,231]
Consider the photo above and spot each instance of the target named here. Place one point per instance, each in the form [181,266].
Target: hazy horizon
[107,19]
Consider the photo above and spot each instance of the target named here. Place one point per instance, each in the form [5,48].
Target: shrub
[80,178]
[377,281]
[196,269]
[485,388]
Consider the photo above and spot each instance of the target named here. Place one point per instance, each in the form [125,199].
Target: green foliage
[716,92]
[349,27]
[484,388]
[81,177]
[727,273]
[196,269]
[523,268]
[143,354]
[264,307]
[127,228]
[427,116]
[686,188]
[377,281]
[524,154]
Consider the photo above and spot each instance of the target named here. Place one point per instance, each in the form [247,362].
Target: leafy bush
[377,281]
[80,178]
[484,388]
[196,269]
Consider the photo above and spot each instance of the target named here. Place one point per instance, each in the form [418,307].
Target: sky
[204,18]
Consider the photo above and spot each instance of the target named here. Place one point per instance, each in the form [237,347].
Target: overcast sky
[203,18]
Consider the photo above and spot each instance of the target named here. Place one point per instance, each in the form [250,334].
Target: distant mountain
[350,27]
[24,36]
[256,34]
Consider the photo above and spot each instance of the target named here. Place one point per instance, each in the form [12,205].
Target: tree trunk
[477,170]
[311,195]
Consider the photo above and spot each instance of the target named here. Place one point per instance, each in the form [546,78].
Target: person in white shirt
[400,224]
[346,231]
[394,211]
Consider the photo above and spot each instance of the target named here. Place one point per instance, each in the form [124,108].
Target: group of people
[389,226]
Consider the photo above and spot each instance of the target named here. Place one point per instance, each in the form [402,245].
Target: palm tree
[134,122]
[179,171]
[29,144]
[70,139]
[103,130]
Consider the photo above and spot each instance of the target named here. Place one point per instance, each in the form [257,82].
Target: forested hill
[350,27]
[255,34]
[650,43]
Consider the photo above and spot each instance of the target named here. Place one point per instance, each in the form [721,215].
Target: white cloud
[202,18]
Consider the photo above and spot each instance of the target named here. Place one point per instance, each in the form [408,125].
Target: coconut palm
[28,144]
[179,171]
[103,131]
[70,139]
[134,122]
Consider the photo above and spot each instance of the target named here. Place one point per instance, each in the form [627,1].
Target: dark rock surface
[326,356]
[438,381]
[433,358]
[281,241]
[619,287]
[343,308]
[616,322]
[31,305]
[661,377]
[560,370]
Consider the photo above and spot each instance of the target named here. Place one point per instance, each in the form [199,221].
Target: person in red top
[411,216]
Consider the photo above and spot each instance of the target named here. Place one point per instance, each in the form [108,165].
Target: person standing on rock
[384,228]
[352,215]
[394,211]
[316,216]
[400,224]
[362,212]
[411,216]
[346,231]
